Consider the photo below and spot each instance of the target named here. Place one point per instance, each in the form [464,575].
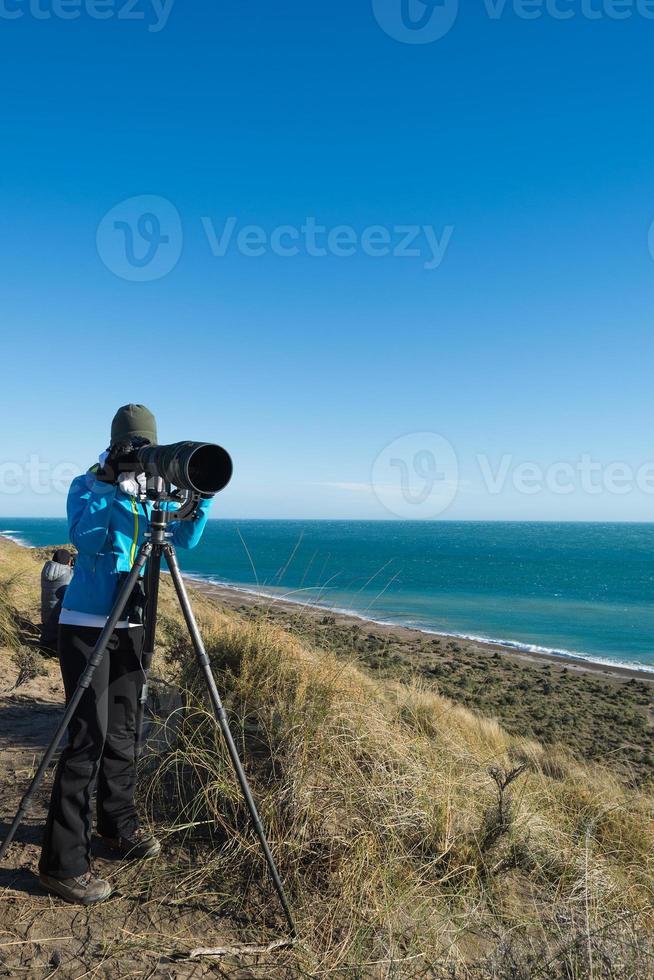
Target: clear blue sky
[532,340]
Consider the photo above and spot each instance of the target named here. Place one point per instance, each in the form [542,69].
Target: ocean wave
[14,536]
[520,646]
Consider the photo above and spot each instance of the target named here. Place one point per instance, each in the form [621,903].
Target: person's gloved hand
[122,458]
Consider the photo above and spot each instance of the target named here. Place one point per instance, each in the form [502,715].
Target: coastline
[599,712]
[233,596]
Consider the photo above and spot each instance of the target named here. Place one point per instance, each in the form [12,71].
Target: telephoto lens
[200,467]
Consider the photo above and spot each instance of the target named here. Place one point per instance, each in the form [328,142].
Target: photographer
[107,521]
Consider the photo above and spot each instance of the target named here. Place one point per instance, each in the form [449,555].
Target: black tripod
[151,551]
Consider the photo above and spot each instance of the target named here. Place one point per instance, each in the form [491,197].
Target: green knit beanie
[131,422]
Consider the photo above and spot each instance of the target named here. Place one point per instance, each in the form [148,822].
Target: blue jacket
[107,527]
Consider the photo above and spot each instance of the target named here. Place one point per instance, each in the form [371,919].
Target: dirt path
[136,933]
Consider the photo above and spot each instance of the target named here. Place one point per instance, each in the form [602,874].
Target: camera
[200,467]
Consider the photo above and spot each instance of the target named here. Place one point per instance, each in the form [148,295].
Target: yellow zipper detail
[132,553]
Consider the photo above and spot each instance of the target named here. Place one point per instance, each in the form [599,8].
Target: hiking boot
[85,889]
[139,844]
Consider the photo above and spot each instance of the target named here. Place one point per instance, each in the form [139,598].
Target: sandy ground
[139,932]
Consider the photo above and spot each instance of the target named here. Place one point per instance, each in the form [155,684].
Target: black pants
[100,752]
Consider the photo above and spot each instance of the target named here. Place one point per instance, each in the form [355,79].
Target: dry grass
[415,838]
[9,635]
[19,595]
[9,630]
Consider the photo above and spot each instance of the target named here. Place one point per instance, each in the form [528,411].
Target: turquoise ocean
[585,589]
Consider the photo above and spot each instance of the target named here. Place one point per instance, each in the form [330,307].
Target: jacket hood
[52,571]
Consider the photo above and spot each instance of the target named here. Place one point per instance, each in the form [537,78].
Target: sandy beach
[241,599]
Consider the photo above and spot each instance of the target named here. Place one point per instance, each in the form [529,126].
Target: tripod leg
[84,682]
[219,711]
[152,596]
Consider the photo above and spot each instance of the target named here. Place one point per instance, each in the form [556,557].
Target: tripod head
[159,492]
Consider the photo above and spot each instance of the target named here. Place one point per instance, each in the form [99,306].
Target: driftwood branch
[241,949]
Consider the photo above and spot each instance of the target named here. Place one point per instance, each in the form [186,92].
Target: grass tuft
[29,665]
